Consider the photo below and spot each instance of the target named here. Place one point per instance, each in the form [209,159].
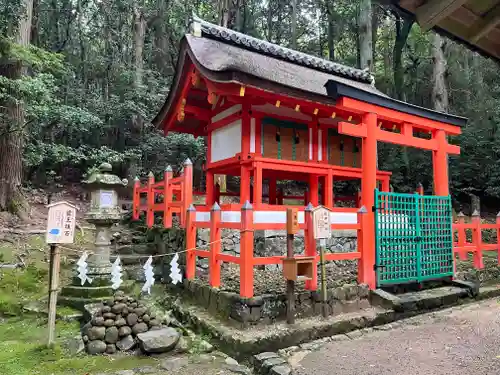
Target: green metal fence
[413,237]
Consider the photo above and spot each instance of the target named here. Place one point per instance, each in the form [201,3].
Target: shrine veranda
[272,114]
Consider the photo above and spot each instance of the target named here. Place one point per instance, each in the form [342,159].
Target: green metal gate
[413,237]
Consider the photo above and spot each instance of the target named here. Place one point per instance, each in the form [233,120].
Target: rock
[85,328]
[281,370]
[120,322]
[118,308]
[159,341]
[133,305]
[109,323]
[174,364]
[85,339]
[75,345]
[106,309]
[109,315]
[155,328]
[91,309]
[126,343]
[146,318]
[132,319]
[183,345]
[96,347]
[154,322]
[130,299]
[140,311]
[146,370]
[139,328]
[111,349]
[125,372]
[124,331]
[231,361]
[125,311]
[205,346]
[238,369]
[139,320]
[111,336]
[98,321]
[96,333]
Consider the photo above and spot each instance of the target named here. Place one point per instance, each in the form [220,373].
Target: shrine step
[426,299]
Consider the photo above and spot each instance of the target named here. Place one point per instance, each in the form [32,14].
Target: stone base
[77,296]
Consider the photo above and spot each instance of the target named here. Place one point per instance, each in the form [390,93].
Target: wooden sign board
[221,180]
[61,223]
[321,223]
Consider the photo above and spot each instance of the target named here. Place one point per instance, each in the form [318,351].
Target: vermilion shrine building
[269,114]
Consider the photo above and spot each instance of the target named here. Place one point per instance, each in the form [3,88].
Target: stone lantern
[104,213]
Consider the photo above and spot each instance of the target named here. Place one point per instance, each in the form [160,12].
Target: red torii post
[370,134]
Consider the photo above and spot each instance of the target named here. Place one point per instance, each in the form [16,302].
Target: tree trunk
[330,11]
[139,34]
[294,24]
[11,127]
[365,35]
[224,13]
[439,90]
[403,28]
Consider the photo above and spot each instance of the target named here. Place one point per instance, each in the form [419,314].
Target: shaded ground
[461,341]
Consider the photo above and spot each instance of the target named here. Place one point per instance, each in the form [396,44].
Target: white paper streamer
[149,275]
[82,269]
[175,272]
[116,274]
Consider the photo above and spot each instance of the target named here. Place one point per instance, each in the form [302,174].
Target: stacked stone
[116,324]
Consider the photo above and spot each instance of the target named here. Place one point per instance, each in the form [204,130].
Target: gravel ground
[272,281]
[462,340]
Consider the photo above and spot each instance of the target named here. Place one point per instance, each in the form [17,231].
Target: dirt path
[460,341]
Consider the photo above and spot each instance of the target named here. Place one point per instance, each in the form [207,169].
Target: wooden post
[310,246]
[167,197]
[136,199]
[215,246]
[477,240]
[313,189]
[368,184]
[190,242]
[498,237]
[55,262]
[150,213]
[290,284]
[246,251]
[440,164]
[187,194]
[361,213]
[272,190]
[217,193]
[461,237]
[210,196]
[257,184]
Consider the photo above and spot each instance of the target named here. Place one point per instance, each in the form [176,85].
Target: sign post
[60,229]
[292,226]
[322,230]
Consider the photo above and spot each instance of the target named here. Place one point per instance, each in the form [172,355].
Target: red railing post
[498,237]
[462,254]
[310,246]
[187,193]
[477,240]
[167,197]
[420,189]
[246,251]
[190,242]
[136,199]
[150,199]
[215,246]
[361,212]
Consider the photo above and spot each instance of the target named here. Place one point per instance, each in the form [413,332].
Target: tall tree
[439,89]
[365,35]
[294,24]
[403,28]
[330,12]
[13,119]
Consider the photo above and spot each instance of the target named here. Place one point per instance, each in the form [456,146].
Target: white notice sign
[106,199]
[61,223]
[321,223]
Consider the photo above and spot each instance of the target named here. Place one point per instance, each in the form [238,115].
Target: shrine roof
[226,56]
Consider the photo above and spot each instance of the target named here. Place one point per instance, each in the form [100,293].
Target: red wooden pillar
[246,251]
[279,197]
[328,190]
[187,194]
[498,237]
[245,130]
[386,184]
[244,185]
[217,193]
[368,185]
[167,197]
[150,213]
[461,237]
[215,246]
[477,240]
[361,214]
[272,190]
[136,199]
[210,197]
[190,242]
[310,246]
[440,164]
[257,184]
[313,189]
